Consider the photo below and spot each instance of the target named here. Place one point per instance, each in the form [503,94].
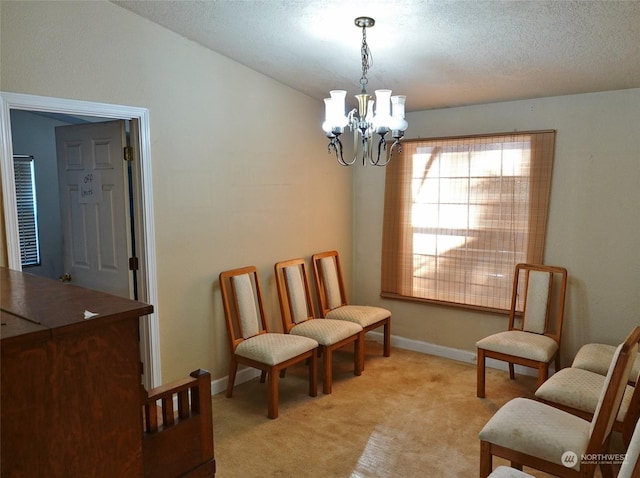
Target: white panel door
[94,205]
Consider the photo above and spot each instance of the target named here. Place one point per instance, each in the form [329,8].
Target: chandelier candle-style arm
[389,116]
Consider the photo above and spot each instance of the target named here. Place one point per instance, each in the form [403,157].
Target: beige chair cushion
[535,313]
[297,295]
[538,430]
[579,389]
[631,457]
[247,311]
[508,472]
[332,286]
[272,349]
[597,358]
[363,315]
[326,331]
[521,344]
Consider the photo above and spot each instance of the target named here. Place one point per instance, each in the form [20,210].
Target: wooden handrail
[187,392]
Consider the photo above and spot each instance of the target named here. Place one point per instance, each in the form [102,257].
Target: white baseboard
[243,375]
[466,356]
[449,353]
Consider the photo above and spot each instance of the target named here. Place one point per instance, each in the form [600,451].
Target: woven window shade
[461,212]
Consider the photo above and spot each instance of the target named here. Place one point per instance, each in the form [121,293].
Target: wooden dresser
[71,395]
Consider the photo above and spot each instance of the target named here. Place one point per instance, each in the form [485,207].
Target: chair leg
[327,371]
[543,374]
[480,371]
[263,376]
[233,368]
[485,459]
[313,374]
[387,338]
[272,394]
[283,372]
[358,354]
[512,371]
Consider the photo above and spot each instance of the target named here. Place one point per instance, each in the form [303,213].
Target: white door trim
[150,342]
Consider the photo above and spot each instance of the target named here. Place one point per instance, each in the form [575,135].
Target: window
[460,213]
[27,210]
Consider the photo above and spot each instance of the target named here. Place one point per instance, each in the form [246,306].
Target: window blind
[461,212]
[27,210]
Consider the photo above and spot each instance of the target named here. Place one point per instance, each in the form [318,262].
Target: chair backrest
[633,411]
[243,304]
[296,305]
[329,283]
[612,392]
[631,466]
[538,295]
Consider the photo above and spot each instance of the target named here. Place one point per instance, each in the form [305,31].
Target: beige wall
[594,223]
[241,173]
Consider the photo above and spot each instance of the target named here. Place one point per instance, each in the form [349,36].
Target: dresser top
[33,306]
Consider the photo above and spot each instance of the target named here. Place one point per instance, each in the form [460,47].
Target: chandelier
[388,117]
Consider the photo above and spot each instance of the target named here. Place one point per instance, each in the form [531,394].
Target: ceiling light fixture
[362,120]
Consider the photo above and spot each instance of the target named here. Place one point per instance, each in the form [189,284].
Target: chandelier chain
[367,59]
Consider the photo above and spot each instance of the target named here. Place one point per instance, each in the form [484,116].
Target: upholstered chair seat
[272,349]
[326,331]
[523,344]
[532,427]
[597,357]
[579,389]
[508,472]
[363,315]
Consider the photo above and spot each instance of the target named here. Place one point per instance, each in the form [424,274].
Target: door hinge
[133,263]
[128,153]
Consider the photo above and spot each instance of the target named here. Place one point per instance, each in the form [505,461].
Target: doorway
[141,204]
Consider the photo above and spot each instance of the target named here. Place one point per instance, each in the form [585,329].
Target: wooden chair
[298,318]
[532,433]
[251,343]
[577,391]
[333,299]
[630,466]
[532,339]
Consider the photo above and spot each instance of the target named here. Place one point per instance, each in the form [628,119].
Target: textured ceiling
[440,53]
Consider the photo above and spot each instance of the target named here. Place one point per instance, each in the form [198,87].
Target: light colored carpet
[408,415]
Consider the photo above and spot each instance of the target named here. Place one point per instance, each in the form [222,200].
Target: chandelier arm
[396,144]
[382,146]
[337,146]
